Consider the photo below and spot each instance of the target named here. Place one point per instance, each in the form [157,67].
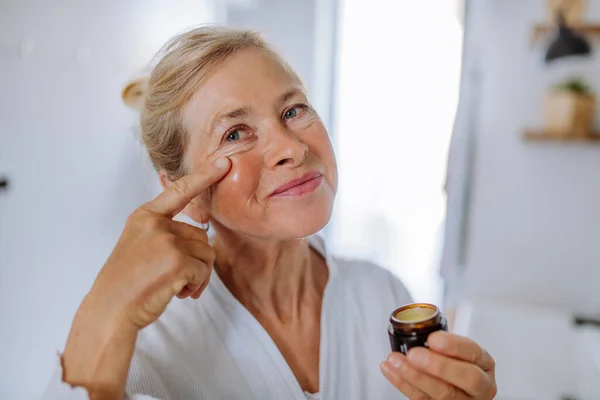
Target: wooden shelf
[544,30]
[544,136]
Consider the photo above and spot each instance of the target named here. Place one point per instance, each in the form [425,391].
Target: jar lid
[416,318]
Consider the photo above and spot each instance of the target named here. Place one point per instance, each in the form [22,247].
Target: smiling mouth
[299,187]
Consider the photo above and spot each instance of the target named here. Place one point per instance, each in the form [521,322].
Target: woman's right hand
[155,259]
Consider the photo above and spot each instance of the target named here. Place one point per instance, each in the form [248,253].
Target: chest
[299,344]
[216,349]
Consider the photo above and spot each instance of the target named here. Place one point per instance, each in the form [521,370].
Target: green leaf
[574,85]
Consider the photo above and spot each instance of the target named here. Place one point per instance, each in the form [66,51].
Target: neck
[269,276]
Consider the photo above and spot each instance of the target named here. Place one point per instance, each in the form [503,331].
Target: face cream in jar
[410,325]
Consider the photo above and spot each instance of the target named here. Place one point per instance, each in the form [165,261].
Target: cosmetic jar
[410,325]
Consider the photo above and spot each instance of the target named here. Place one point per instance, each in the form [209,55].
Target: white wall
[68,146]
[288,25]
[534,222]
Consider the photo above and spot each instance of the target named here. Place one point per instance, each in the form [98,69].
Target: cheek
[239,185]
[321,146]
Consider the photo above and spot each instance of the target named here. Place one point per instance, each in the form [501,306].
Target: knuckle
[409,373]
[420,396]
[189,273]
[452,346]
[174,258]
[475,382]
[211,255]
[169,242]
[494,391]
[177,264]
[205,283]
[144,222]
[151,223]
[179,259]
[479,354]
[203,235]
[437,367]
[491,360]
[449,393]
[203,269]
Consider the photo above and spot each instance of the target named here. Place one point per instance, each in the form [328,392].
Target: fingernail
[384,366]
[221,162]
[395,360]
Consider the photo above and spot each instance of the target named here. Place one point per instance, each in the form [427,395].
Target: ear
[134,93]
[195,209]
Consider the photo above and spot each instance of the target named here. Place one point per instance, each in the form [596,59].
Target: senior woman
[264,311]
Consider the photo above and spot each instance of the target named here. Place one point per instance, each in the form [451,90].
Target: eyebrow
[284,98]
[229,115]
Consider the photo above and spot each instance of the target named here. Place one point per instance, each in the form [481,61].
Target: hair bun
[134,93]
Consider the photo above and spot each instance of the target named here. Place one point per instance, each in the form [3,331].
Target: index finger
[461,348]
[175,197]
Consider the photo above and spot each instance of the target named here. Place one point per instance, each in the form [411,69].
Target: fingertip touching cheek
[283,175]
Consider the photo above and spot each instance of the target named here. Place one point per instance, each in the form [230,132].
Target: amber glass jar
[410,325]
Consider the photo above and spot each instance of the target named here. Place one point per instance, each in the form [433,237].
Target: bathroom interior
[467,135]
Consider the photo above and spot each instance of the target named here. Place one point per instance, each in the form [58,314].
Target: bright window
[397,93]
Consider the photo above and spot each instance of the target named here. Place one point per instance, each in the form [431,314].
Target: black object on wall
[567,42]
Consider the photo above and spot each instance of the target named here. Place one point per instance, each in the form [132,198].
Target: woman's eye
[233,136]
[291,113]
[238,135]
[295,111]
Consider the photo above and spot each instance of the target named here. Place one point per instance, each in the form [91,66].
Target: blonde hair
[181,66]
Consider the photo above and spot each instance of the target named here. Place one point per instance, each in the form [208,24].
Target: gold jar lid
[415,313]
[415,317]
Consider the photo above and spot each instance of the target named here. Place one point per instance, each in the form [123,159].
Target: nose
[284,148]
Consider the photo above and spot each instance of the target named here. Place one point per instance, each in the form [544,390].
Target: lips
[297,187]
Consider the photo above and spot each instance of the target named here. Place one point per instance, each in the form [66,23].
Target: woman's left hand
[453,367]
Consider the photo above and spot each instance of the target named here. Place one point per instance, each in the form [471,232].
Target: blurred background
[464,131]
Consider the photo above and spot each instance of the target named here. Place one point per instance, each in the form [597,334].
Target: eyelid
[299,105]
[302,106]
[240,127]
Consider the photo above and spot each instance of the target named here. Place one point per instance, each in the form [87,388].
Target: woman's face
[283,177]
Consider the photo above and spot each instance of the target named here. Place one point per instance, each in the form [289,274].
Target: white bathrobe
[214,349]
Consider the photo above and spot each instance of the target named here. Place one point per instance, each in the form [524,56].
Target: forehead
[248,78]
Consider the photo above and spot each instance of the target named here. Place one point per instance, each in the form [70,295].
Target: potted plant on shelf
[569,109]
